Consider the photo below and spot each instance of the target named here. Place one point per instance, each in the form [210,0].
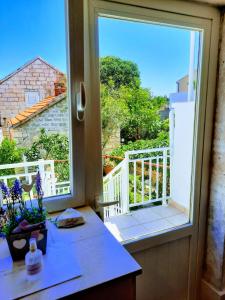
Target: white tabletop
[100,256]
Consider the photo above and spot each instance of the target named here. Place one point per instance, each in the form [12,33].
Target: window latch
[81,102]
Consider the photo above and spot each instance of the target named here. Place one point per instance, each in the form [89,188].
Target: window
[32,97]
[76,174]
[36,106]
[150,131]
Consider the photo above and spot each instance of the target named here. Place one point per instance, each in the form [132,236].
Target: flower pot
[19,243]
[107,169]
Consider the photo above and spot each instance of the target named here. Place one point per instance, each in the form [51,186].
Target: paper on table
[59,265]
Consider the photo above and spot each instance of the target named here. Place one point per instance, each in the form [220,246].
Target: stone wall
[55,119]
[113,142]
[37,75]
[214,272]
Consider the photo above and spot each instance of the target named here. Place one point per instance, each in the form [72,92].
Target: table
[108,270]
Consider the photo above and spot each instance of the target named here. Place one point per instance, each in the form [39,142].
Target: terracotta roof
[34,110]
[27,64]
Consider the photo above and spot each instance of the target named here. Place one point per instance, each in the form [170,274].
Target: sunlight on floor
[145,221]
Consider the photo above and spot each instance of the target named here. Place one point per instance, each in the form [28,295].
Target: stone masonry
[214,272]
[36,75]
[54,119]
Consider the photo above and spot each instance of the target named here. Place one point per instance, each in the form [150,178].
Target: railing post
[41,168]
[111,194]
[125,184]
[53,188]
[26,170]
[164,202]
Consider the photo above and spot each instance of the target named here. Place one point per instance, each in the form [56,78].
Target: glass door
[149,87]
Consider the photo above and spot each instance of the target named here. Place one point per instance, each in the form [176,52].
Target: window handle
[106,204]
[81,102]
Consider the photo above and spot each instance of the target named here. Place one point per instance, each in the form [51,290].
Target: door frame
[183,14]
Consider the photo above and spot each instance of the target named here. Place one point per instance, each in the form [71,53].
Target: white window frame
[75,70]
[30,94]
[183,14]
[86,160]
[188,14]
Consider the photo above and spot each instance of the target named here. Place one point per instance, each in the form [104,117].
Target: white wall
[1,135]
[181,162]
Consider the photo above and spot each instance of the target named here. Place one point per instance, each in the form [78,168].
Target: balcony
[138,194]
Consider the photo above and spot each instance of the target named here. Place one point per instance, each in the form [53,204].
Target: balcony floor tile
[165,211]
[132,232]
[145,221]
[145,214]
[122,221]
[178,219]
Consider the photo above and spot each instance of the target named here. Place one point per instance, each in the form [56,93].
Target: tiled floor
[145,221]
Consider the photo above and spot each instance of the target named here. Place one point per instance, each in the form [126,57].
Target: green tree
[143,119]
[114,112]
[133,111]
[126,105]
[9,154]
[120,72]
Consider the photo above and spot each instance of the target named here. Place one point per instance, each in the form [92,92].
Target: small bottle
[33,260]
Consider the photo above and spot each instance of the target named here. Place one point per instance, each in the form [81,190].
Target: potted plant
[108,166]
[21,219]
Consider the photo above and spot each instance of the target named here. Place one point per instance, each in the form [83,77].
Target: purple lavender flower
[38,186]
[39,190]
[16,190]
[4,189]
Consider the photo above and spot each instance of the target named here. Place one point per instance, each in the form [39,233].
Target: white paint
[181,163]
[1,135]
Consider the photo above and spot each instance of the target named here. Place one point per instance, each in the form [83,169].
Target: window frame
[88,155]
[28,94]
[86,159]
[74,23]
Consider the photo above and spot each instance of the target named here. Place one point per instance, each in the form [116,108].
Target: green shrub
[9,154]
[51,146]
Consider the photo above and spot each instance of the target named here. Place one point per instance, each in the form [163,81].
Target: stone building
[50,113]
[26,86]
[34,97]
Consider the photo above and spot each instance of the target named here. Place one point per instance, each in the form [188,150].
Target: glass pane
[34,107]
[148,84]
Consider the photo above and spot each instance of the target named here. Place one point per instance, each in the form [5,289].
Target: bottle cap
[33,245]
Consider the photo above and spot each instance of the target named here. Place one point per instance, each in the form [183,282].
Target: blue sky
[31,28]
[161,52]
[37,28]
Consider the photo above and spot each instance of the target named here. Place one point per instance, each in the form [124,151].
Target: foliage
[51,146]
[143,120]
[114,112]
[125,105]
[17,211]
[133,111]
[119,72]
[9,154]
[161,141]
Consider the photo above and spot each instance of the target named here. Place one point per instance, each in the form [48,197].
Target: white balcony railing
[142,178]
[25,172]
